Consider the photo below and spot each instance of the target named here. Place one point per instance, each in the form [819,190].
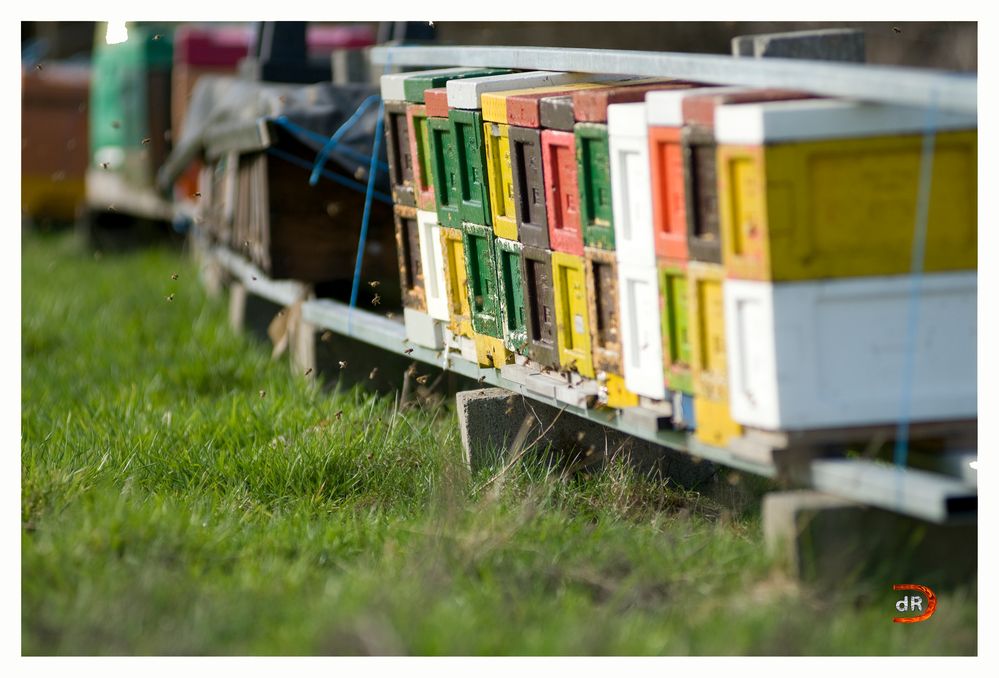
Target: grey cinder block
[825,539]
[490,419]
[831,44]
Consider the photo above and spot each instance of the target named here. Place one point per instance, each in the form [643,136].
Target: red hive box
[562,191]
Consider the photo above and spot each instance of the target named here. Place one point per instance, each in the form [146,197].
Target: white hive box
[665,108]
[641,331]
[392,83]
[831,353]
[631,184]
[467,93]
[432,260]
[798,120]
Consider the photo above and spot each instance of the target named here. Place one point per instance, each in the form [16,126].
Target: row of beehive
[738,253]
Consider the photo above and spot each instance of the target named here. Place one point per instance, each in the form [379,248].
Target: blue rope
[319,138]
[362,240]
[367,214]
[917,264]
[335,139]
[349,183]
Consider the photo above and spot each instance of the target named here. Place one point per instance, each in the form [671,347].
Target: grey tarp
[234,114]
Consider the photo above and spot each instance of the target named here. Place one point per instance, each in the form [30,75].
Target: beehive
[706,315]
[572,313]
[470,150]
[407,239]
[510,276]
[483,288]
[420,152]
[641,344]
[529,187]
[602,298]
[558,152]
[828,189]
[432,262]
[664,114]
[539,303]
[631,184]
[596,211]
[400,153]
[828,353]
[443,164]
[500,176]
[456,282]
[675,324]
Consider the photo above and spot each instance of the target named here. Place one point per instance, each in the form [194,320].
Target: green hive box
[509,274]
[593,163]
[414,87]
[483,290]
[130,103]
[470,145]
[443,168]
[675,329]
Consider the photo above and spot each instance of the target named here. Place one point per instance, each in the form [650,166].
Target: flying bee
[390,315]
[482,379]
[374,283]
[339,413]
[263,393]
[343,364]
[377,299]
[105,165]
[157,36]
[38,67]
[116,124]
[423,379]
[326,336]
[173,276]
[374,373]
[308,371]
[197,194]
[408,351]
[170,297]
[146,141]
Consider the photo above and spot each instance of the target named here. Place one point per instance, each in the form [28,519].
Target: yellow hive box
[572,313]
[618,395]
[455,282]
[796,204]
[709,363]
[714,422]
[41,196]
[500,174]
[490,352]
[494,108]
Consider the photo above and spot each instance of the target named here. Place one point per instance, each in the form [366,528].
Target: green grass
[168,508]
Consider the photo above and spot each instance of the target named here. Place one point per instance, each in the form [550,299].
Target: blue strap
[376,146]
[345,149]
[342,180]
[367,213]
[335,139]
[917,264]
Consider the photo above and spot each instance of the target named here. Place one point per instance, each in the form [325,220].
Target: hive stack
[818,203]
[497,319]
[411,174]
[715,256]
[687,239]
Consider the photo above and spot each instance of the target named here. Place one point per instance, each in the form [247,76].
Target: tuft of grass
[168,508]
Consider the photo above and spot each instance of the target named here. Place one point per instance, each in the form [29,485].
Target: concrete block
[423,330]
[830,44]
[822,538]
[491,419]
